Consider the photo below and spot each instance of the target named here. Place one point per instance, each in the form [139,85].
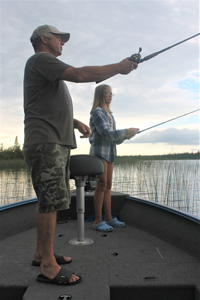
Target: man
[49,136]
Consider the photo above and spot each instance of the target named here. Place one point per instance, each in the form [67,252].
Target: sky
[104,32]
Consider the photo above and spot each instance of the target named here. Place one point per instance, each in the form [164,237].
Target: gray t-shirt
[47,103]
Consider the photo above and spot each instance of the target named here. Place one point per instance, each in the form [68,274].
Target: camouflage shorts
[49,166]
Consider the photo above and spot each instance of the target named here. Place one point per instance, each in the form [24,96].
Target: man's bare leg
[46,224]
[38,252]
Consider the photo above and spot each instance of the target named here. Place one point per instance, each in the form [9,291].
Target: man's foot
[63,277]
[51,270]
[61,260]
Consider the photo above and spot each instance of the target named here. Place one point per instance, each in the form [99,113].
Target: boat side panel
[17,219]
[170,227]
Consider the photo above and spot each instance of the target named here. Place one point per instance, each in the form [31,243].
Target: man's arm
[95,73]
[82,128]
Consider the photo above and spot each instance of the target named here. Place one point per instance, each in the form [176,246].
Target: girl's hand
[130,132]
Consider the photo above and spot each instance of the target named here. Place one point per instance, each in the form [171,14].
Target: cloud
[105,32]
[171,136]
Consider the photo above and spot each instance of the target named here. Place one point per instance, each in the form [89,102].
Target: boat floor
[127,263]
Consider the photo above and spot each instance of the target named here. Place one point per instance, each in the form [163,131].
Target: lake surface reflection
[173,183]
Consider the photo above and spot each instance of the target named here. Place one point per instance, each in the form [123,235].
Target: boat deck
[128,263]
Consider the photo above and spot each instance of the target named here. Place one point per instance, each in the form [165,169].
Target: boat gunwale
[19,203]
[167,208]
[129,197]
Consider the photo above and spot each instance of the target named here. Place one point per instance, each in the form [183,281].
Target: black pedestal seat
[82,167]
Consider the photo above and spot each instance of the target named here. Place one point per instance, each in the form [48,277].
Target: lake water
[173,183]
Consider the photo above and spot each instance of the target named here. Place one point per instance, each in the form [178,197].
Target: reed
[15,185]
[170,182]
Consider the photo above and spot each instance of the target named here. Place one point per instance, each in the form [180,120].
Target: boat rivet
[65,297]
[152,278]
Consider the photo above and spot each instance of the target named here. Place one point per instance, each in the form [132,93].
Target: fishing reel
[136,57]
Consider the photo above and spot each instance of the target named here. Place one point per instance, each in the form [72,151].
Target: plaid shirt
[103,139]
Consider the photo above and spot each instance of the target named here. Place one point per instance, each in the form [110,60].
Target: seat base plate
[87,241]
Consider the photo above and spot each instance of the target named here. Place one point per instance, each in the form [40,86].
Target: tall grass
[15,186]
[174,182]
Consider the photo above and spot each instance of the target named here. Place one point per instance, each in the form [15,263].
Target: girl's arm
[102,124]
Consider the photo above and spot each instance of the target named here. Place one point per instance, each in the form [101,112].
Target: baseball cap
[40,30]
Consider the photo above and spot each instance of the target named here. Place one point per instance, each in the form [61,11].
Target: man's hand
[126,66]
[82,128]
[85,130]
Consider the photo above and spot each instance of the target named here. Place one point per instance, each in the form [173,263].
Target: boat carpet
[127,263]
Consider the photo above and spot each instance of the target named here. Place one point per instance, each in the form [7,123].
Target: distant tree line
[15,152]
[174,156]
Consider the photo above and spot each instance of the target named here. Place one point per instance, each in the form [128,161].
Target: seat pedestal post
[80,210]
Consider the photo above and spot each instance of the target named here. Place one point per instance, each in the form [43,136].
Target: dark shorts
[103,159]
[50,173]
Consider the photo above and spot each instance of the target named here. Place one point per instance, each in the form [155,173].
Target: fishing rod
[168,121]
[162,122]
[137,57]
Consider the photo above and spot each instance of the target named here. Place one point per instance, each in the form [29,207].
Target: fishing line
[168,120]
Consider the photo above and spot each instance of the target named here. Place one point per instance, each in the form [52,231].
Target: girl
[103,140]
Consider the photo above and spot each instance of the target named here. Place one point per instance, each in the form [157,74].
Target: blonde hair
[99,99]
